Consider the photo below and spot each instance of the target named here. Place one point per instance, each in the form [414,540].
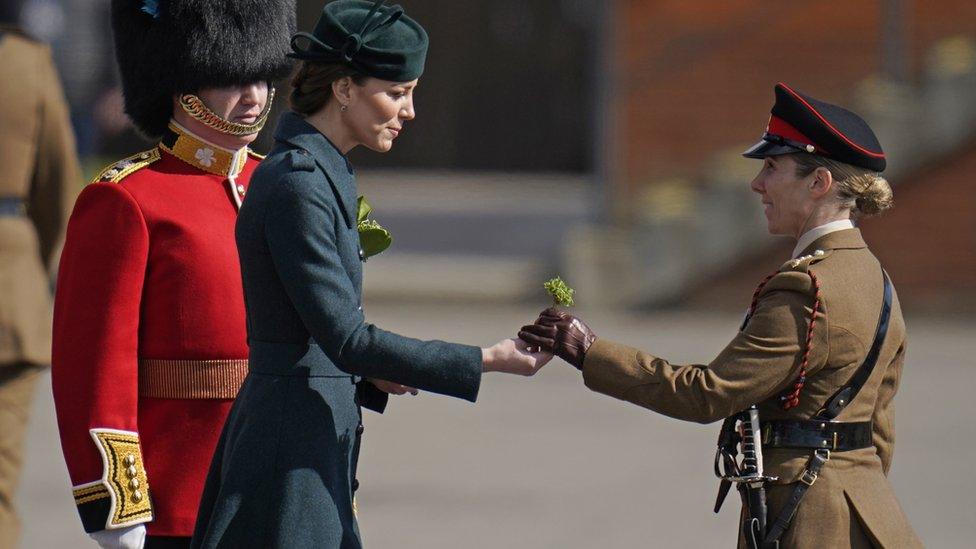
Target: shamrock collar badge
[373,238]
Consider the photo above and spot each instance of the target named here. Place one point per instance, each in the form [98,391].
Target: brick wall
[927,242]
[695,77]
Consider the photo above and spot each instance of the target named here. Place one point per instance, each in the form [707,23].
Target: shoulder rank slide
[802,264]
[119,170]
[121,497]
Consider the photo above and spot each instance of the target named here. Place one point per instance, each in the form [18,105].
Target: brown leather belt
[191,379]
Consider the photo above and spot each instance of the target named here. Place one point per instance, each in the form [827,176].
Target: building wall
[697,77]
[927,243]
[695,82]
[928,240]
[507,87]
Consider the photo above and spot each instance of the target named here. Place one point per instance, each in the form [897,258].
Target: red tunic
[149,271]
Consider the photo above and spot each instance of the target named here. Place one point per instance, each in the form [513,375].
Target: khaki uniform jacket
[38,165]
[852,503]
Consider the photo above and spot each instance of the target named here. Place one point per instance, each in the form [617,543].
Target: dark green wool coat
[284,472]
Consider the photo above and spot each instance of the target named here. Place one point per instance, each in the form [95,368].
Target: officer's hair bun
[866,192]
[870,193]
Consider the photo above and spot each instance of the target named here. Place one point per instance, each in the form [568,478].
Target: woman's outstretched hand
[392,388]
[512,356]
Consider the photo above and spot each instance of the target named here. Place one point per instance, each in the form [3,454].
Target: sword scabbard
[723,490]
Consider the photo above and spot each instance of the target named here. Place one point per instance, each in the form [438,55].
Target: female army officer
[821,351]
[284,473]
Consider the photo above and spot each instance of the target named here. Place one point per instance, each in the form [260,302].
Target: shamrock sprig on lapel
[373,238]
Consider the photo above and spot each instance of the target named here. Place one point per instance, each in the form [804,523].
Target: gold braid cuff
[123,477]
[89,492]
[194,107]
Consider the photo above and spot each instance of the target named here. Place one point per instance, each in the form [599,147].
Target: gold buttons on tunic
[132,472]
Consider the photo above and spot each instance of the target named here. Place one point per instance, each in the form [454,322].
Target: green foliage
[561,293]
[373,238]
[363,209]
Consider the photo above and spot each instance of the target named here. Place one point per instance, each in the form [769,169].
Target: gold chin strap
[200,112]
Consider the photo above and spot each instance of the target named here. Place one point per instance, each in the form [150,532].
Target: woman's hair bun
[871,193]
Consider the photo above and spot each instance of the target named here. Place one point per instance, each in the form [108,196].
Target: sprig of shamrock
[373,238]
[561,293]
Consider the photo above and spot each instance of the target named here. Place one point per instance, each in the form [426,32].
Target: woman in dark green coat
[284,472]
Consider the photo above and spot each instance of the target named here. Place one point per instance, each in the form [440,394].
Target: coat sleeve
[95,357]
[300,228]
[761,361]
[57,178]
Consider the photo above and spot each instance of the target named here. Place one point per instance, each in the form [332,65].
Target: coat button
[360,428]
[355,484]
[362,254]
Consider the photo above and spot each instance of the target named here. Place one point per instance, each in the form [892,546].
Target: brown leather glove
[561,334]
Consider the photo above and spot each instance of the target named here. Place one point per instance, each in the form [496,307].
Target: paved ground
[543,463]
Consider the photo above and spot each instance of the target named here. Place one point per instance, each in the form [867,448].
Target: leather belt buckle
[812,472]
[809,477]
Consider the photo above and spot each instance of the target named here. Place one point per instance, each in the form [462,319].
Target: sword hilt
[751,470]
[751,446]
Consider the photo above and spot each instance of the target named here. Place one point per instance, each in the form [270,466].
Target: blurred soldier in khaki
[39,179]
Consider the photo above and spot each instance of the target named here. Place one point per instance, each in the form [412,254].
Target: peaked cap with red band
[800,123]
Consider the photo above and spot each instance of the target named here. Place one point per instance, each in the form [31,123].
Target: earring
[343,108]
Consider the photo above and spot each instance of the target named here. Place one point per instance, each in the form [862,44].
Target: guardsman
[807,384]
[150,342]
[39,182]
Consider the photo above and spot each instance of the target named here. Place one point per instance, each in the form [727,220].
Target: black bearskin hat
[167,47]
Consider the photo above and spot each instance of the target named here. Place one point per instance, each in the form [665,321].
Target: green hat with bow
[376,40]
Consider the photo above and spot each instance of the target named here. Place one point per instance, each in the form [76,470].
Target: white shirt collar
[813,234]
